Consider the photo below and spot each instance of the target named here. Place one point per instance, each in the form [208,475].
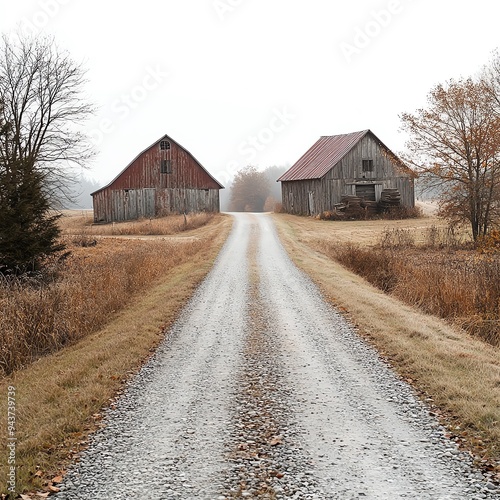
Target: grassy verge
[457,374]
[59,398]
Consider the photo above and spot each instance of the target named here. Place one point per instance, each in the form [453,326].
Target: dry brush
[96,280]
[443,276]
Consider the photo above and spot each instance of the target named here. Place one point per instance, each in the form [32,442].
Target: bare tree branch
[41,88]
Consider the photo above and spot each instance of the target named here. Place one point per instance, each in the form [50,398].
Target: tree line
[255,191]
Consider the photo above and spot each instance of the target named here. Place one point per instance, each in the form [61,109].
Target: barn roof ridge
[327,152]
[146,149]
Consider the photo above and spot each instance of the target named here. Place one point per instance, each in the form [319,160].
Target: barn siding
[142,190]
[342,178]
[186,200]
[295,196]
[147,203]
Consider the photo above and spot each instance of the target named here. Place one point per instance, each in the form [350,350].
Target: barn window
[166,166]
[367,165]
[164,145]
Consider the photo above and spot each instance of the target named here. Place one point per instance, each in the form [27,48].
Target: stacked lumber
[390,198]
[352,208]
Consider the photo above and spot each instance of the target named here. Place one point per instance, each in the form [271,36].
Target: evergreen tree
[28,230]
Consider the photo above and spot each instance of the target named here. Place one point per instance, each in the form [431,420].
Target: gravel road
[262,390]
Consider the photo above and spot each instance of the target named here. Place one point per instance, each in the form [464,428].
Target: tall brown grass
[172,224]
[444,276]
[93,283]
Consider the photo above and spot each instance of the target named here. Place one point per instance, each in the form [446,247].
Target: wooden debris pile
[356,208]
[353,207]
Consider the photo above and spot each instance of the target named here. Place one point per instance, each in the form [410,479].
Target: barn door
[366,191]
[311,203]
[131,198]
[149,202]
[124,204]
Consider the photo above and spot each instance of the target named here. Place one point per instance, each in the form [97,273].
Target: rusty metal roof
[323,156]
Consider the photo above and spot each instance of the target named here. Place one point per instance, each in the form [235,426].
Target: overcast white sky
[240,82]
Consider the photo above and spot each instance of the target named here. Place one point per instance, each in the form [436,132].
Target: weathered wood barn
[356,164]
[165,178]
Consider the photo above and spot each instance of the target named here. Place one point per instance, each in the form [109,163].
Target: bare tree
[455,144]
[42,108]
[41,89]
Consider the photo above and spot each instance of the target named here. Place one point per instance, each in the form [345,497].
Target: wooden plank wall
[178,200]
[129,204]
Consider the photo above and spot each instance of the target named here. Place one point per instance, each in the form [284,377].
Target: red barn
[165,178]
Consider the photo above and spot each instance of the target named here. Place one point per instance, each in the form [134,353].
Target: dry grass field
[68,346]
[80,223]
[458,374]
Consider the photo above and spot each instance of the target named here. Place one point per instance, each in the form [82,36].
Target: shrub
[278,208]
[460,286]
[449,237]
[375,266]
[489,243]
[401,212]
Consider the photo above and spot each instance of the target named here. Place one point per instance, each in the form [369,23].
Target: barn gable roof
[149,147]
[327,152]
